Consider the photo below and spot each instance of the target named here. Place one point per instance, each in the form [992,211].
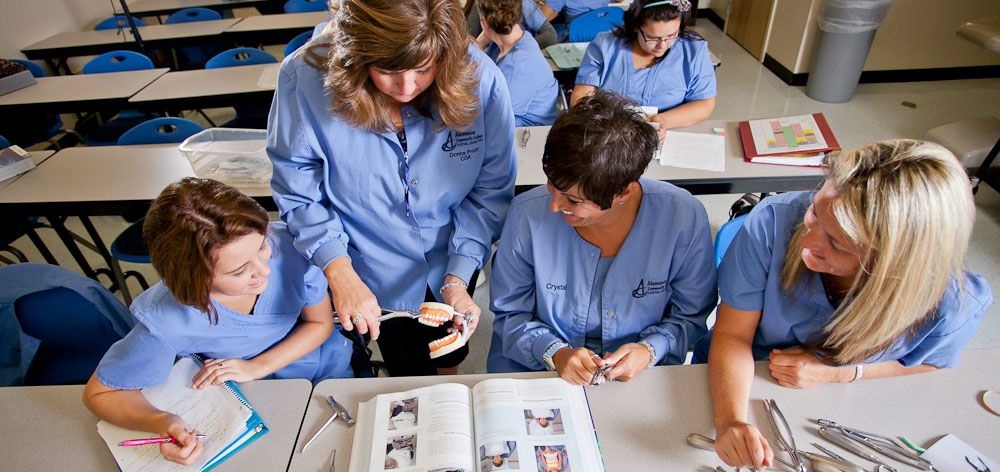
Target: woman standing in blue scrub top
[394,167]
[864,278]
[656,62]
[532,21]
[600,267]
[533,88]
[233,290]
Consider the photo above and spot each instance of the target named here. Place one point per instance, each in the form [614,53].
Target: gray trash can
[847,28]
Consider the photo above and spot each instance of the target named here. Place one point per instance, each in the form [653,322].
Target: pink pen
[146,441]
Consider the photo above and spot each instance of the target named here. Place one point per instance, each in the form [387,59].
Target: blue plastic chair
[36,70]
[117,61]
[302,6]
[4,143]
[724,237]
[195,55]
[117,21]
[168,129]
[107,134]
[61,324]
[247,116]
[298,41]
[586,26]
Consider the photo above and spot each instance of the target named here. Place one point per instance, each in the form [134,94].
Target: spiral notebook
[223,414]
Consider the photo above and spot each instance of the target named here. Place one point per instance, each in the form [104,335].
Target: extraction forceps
[783,433]
[881,444]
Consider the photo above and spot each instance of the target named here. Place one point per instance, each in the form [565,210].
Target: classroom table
[37,157]
[642,425]
[209,88]
[77,93]
[166,7]
[48,428]
[55,49]
[739,177]
[273,29]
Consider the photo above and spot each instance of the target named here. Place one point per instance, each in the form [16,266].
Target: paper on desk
[268,77]
[950,454]
[694,151]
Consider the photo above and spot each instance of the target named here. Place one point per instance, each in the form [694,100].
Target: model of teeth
[435,314]
[447,344]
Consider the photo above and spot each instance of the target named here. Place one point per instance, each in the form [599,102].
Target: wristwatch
[551,351]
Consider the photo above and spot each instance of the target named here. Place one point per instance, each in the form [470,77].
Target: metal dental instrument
[882,444]
[783,433]
[701,441]
[831,464]
[841,439]
[836,456]
[338,411]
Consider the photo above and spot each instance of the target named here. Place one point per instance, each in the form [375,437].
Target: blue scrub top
[165,329]
[532,18]
[405,220]
[660,286]
[750,280]
[533,87]
[575,8]
[685,74]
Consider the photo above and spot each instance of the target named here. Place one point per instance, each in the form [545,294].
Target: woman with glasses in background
[656,62]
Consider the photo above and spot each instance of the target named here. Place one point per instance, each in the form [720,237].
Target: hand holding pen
[147,441]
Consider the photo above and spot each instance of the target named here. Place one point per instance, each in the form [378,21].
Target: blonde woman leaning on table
[863,278]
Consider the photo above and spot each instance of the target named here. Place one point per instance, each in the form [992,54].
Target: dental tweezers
[783,433]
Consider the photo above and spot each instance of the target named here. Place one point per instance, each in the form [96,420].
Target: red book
[794,140]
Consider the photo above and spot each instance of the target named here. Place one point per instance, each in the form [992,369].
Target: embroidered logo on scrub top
[649,288]
[462,145]
[555,287]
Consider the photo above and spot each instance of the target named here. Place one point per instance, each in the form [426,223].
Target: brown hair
[501,15]
[186,224]
[398,35]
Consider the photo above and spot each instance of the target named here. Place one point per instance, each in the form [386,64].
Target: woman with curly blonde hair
[392,146]
[864,278]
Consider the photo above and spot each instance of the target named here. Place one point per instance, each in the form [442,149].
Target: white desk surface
[209,82]
[37,157]
[48,428]
[145,7]
[279,21]
[82,88]
[105,173]
[529,160]
[642,425]
[148,33]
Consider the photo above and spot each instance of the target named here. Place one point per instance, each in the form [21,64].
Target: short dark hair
[601,145]
[501,15]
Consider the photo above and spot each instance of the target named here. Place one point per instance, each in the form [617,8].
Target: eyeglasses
[657,41]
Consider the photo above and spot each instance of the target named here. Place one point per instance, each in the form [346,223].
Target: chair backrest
[117,21]
[586,26]
[188,15]
[302,6]
[242,56]
[724,237]
[117,61]
[36,70]
[4,143]
[71,319]
[168,129]
[298,41]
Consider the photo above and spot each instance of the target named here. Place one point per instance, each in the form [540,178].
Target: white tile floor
[748,90]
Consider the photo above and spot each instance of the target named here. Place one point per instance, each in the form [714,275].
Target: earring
[621,202]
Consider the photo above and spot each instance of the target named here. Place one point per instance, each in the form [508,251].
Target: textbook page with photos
[532,425]
[221,413]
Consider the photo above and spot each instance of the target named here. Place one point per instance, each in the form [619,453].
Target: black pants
[403,343]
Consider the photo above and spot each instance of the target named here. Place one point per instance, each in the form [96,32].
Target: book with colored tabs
[541,424]
[222,413]
[792,140]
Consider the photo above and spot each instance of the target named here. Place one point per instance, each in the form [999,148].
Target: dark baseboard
[710,15]
[898,75]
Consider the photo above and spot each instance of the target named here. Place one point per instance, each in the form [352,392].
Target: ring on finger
[357,319]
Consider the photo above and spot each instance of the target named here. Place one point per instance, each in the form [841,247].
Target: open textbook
[222,413]
[541,425]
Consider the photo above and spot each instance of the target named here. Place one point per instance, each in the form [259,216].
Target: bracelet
[652,352]
[448,285]
[859,371]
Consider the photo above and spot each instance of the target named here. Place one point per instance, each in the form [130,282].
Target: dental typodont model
[453,340]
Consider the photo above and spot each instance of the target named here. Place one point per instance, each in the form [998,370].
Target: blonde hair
[909,206]
[397,35]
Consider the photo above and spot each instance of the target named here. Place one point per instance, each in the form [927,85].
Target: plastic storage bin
[230,155]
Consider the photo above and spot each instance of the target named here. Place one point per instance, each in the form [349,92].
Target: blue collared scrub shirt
[685,74]
[750,279]
[533,88]
[659,288]
[405,220]
[164,328]
[575,8]
[532,18]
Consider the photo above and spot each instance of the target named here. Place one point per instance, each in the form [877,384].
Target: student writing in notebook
[233,290]
[654,60]
[863,278]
